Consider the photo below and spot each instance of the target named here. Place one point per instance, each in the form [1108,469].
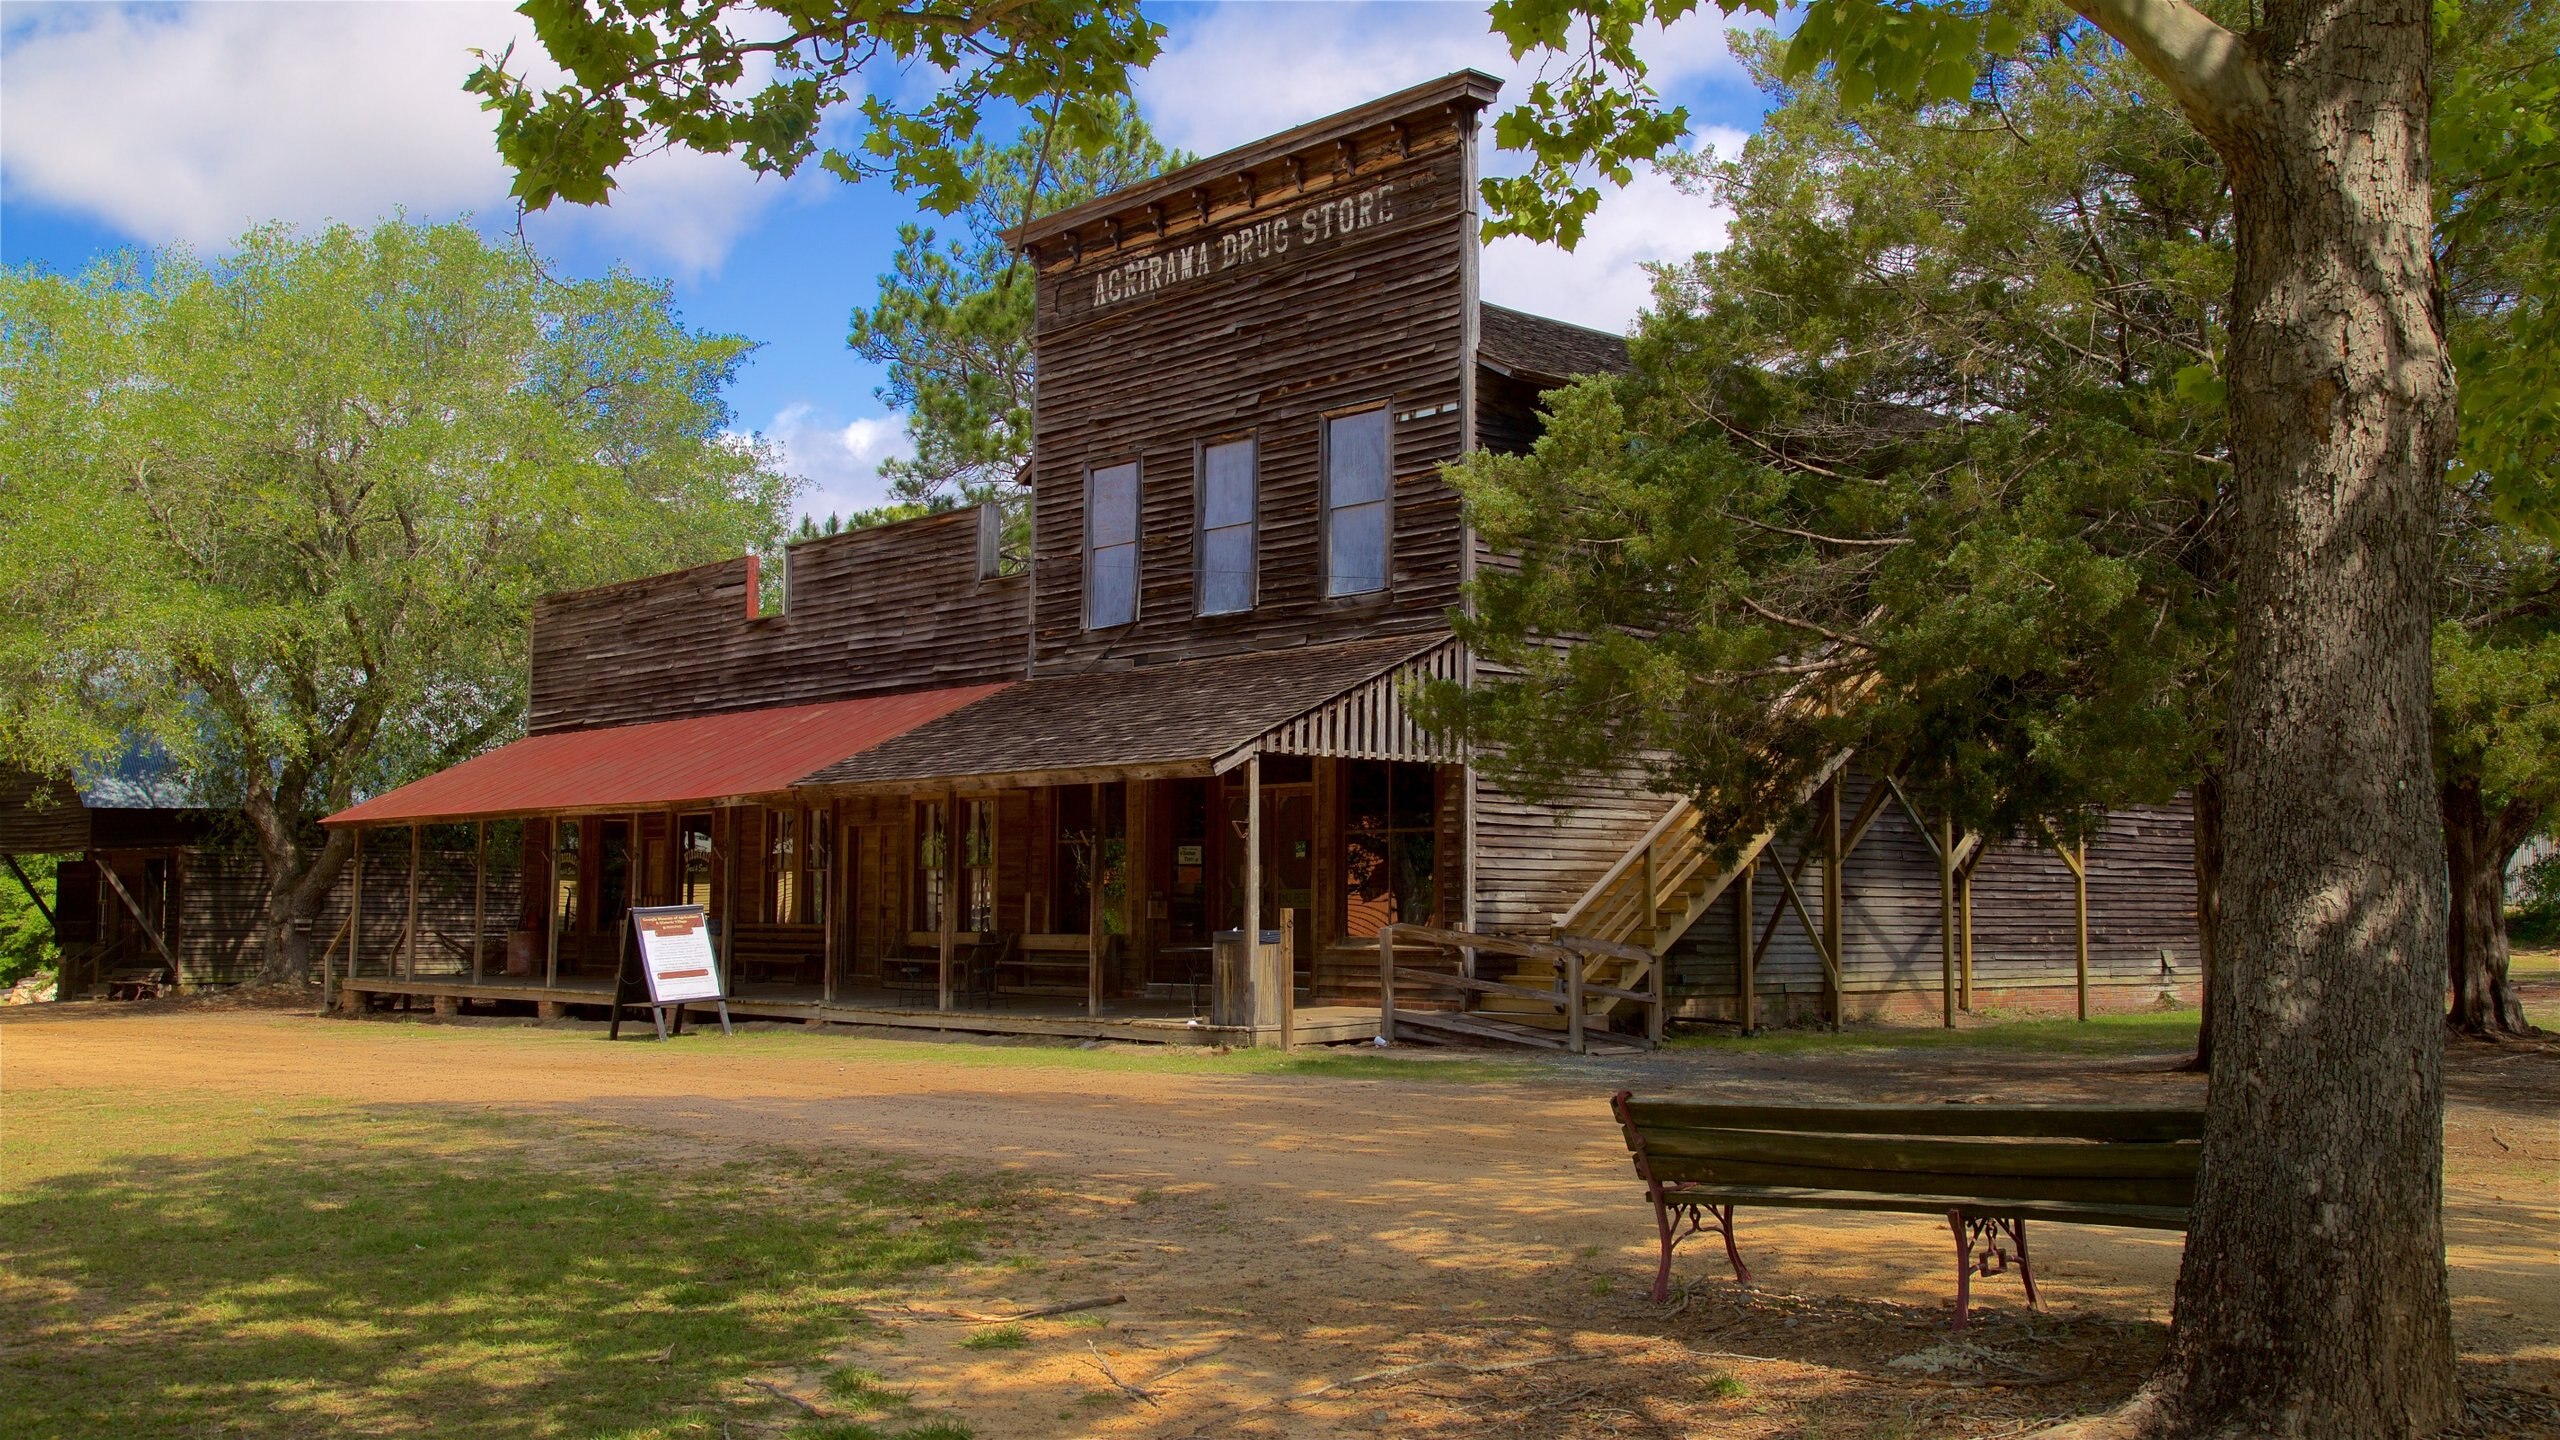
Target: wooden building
[155,892]
[1159,780]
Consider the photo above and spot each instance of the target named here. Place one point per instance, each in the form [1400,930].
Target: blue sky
[150,125]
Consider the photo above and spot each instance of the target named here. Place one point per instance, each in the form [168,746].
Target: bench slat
[2148,1217]
[1944,1156]
[2041,1122]
[2077,1189]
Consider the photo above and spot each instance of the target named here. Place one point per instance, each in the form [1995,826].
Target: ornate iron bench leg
[1724,1222]
[1669,1212]
[1964,1266]
[1670,1242]
[2026,1272]
[1987,1247]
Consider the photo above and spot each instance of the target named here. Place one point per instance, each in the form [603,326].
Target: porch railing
[1571,982]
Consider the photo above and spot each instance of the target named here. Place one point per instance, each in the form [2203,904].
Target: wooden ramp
[1435,1026]
[1555,994]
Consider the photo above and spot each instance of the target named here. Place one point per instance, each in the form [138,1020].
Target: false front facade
[1154,777]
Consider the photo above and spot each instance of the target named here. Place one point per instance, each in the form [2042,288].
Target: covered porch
[1079,856]
[1121,834]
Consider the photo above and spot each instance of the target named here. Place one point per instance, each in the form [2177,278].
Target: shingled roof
[1163,719]
[1537,348]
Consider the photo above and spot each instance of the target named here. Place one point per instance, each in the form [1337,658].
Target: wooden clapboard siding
[2141,902]
[1533,859]
[1267,348]
[40,816]
[222,893]
[872,611]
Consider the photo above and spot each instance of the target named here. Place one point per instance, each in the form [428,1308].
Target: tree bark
[2479,843]
[2312,1300]
[299,878]
[2204,806]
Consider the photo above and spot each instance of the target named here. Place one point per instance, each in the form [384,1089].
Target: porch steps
[1429,1025]
[1539,973]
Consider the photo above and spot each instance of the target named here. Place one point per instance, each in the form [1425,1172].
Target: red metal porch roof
[665,762]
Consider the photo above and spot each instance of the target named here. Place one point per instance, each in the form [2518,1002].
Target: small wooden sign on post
[669,968]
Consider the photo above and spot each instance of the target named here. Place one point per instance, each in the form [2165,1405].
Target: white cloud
[1243,71]
[841,462]
[1217,86]
[1603,281]
[193,123]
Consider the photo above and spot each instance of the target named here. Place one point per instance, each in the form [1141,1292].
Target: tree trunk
[2204,806]
[2479,844]
[2312,1301]
[299,878]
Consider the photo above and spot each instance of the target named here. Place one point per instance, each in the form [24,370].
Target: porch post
[479,896]
[2079,859]
[1095,932]
[950,920]
[1946,922]
[1745,981]
[729,908]
[409,927]
[836,897]
[1834,897]
[355,908]
[1263,981]
[551,908]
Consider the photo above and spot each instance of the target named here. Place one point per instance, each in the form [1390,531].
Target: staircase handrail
[1680,809]
[1653,836]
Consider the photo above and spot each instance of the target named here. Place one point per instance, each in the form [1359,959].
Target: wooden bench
[973,969]
[1988,1169]
[1051,965]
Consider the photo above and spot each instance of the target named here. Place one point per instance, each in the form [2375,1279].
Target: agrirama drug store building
[951,788]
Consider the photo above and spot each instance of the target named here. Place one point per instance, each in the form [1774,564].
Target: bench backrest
[2102,1154]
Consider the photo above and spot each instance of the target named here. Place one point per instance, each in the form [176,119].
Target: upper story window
[1111,547]
[1355,503]
[1227,511]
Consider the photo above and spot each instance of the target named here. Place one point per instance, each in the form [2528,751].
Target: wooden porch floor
[1155,1022]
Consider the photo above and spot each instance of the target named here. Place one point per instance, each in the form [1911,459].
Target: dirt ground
[1319,1256]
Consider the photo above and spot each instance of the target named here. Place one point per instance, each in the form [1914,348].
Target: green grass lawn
[2137,1033]
[175,1265]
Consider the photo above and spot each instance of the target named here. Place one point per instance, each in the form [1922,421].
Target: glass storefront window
[1391,845]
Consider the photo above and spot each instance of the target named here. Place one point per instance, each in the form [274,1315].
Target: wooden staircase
[1667,880]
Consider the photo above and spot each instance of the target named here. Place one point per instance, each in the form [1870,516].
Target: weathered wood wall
[1267,346]
[217,910]
[39,816]
[896,607]
[2141,903]
[1534,859]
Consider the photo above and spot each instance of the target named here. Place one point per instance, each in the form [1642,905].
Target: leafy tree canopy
[1926,462]
[284,513]
[953,321]
[757,78]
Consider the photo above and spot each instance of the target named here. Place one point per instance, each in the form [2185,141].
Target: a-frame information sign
[669,968]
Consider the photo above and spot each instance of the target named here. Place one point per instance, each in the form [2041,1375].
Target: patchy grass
[997,1337]
[864,1390]
[172,1264]
[2141,1032]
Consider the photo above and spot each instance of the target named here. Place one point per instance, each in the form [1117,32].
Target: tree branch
[2206,67]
